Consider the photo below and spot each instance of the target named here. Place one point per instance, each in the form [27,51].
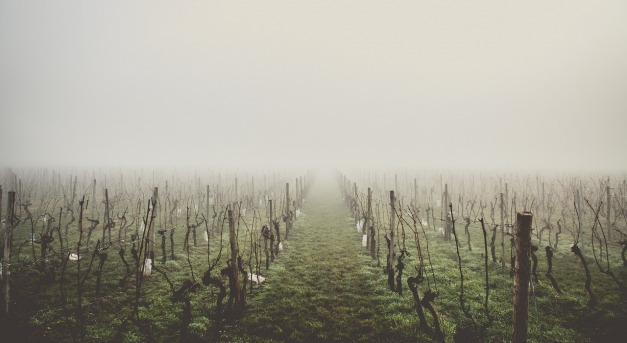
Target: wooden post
[288,216]
[582,212]
[74,187]
[447,224]
[506,204]
[356,213]
[287,199]
[521,276]
[364,228]
[502,234]
[302,191]
[6,262]
[371,240]
[270,218]
[155,197]
[93,201]
[543,202]
[275,247]
[297,195]
[234,265]
[391,243]
[106,216]
[607,213]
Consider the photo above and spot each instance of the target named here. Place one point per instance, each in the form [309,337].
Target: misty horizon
[535,86]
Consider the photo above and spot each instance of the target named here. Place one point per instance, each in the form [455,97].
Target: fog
[434,84]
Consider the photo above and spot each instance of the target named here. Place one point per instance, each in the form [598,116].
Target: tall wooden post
[543,202]
[8,241]
[297,195]
[93,201]
[287,199]
[237,295]
[270,218]
[502,233]
[302,191]
[608,211]
[506,204]
[364,227]
[371,240]
[447,223]
[74,186]
[288,215]
[522,276]
[356,213]
[106,216]
[582,197]
[155,199]
[391,242]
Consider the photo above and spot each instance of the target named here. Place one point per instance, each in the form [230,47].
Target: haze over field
[493,84]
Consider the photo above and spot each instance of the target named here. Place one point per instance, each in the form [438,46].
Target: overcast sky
[496,84]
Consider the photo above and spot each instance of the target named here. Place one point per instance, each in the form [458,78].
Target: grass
[324,287]
[328,289]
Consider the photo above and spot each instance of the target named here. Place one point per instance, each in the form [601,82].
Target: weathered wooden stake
[390,266]
[521,276]
[502,204]
[287,198]
[288,216]
[6,262]
[297,196]
[302,191]
[208,193]
[234,263]
[106,216]
[371,240]
[607,213]
[155,213]
[270,218]
[93,200]
[356,211]
[447,222]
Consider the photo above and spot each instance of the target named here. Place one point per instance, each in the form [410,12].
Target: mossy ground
[325,287]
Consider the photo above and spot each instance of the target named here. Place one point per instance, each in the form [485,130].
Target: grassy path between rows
[323,286]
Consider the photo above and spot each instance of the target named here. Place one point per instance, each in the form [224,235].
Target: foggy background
[447,84]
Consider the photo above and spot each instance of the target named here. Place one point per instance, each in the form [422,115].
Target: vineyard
[232,256]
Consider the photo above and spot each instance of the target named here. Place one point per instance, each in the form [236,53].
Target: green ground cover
[324,287]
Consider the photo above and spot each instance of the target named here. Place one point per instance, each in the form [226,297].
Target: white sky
[496,84]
